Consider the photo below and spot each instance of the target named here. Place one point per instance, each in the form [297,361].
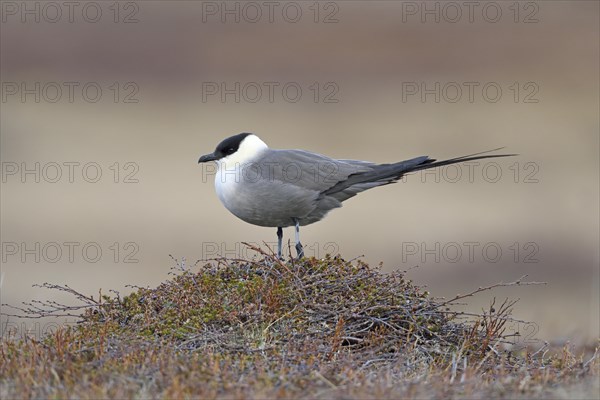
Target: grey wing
[310,171]
[317,184]
[337,180]
[377,175]
[311,175]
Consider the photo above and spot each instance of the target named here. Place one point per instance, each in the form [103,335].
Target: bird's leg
[299,248]
[279,241]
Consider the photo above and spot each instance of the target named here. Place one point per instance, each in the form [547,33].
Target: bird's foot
[299,250]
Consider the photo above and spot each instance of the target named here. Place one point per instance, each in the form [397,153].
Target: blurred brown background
[158,65]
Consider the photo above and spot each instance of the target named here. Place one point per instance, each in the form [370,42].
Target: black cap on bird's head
[225,148]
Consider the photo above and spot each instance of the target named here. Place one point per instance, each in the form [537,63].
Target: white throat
[250,149]
[230,169]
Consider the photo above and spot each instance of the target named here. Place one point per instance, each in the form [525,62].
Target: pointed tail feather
[433,163]
[389,173]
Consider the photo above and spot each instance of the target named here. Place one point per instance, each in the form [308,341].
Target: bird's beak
[208,157]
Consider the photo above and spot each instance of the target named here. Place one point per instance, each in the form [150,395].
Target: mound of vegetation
[265,328]
[328,305]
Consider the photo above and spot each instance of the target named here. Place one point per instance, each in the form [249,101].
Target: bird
[282,188]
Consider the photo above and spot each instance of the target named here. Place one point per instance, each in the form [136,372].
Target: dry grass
[324,328]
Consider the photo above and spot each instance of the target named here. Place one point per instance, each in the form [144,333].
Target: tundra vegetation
[265,328]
